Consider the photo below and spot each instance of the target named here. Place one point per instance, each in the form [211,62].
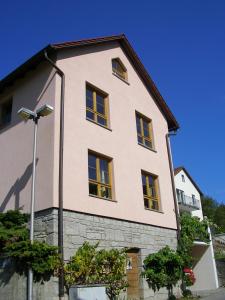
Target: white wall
[205,269]
[189,190]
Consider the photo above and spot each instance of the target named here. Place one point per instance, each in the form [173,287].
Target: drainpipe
[60,188]
[173,182]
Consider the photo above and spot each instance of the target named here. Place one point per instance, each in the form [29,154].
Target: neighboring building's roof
[52,48]
[178,169]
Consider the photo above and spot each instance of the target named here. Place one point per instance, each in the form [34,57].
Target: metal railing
[189,201]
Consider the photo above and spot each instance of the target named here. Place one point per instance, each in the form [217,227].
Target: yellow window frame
[149,196]
[95,91]
[122,74]
[98,176]
[142,135]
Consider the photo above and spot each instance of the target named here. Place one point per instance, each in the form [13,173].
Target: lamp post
[27,114]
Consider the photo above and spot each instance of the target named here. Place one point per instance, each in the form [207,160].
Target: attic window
[119,68]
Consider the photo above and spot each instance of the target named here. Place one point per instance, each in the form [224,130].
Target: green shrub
[163,269]
[92,266]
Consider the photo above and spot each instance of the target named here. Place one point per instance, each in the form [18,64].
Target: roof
[125,45]
[178,169]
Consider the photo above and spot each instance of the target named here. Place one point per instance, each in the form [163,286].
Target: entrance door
[133,275]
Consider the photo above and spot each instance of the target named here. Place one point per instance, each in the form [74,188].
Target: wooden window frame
[98,176]
[141,135]
[105,96]
[122,75]
[2,103]
[148,196]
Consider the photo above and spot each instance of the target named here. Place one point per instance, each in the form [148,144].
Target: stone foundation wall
[111,233]
[220,265]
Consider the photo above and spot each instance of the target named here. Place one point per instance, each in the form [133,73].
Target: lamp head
[26,114]
[44,111]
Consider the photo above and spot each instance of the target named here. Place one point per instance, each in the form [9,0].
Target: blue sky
[181,43]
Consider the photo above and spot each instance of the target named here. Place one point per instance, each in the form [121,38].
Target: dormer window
[119,68]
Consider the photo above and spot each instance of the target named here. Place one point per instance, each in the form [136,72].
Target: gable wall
[94,66]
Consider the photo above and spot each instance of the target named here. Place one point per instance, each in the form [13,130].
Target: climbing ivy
[192,229]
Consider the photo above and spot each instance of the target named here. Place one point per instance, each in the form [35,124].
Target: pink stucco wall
[91,65]
[129,158]
[16,144]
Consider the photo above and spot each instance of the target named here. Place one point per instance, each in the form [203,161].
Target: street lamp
[27,114]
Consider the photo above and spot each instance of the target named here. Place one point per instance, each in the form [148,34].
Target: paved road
[217,295]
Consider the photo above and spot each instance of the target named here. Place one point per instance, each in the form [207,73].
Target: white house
[189,200]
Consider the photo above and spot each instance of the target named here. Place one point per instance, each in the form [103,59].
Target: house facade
[189,201]
[105,174]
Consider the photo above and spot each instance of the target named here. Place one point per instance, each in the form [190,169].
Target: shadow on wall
[38,93]
[18,186]
[6,271]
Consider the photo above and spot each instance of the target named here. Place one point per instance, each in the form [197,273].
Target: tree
[219,218]
[215,212]
[209,206]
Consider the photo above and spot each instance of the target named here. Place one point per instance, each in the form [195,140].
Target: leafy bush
[163,269]
[92,266]
[15,245]
[12,228]
[220,254]
[172,297]
[42,258]
[187,293]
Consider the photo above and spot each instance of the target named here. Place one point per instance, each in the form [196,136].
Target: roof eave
[37,58]
[25,67]
[178,169]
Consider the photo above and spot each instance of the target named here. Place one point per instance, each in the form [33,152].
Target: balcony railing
[188,201]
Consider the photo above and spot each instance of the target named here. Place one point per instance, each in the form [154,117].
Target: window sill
[153,150]
[154,210]
[94,196]
[125,81]
[98,124]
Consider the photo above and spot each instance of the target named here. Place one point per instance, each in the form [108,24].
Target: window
[144,131]
[100,174]
[193,199]
[183,178]
[5,113]
[119,69]
[180,196]
[96,106]
[150,191]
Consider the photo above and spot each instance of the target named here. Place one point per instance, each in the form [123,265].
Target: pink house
[105,175]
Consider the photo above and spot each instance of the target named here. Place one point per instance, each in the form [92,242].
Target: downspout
[173,183]
[60,187]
